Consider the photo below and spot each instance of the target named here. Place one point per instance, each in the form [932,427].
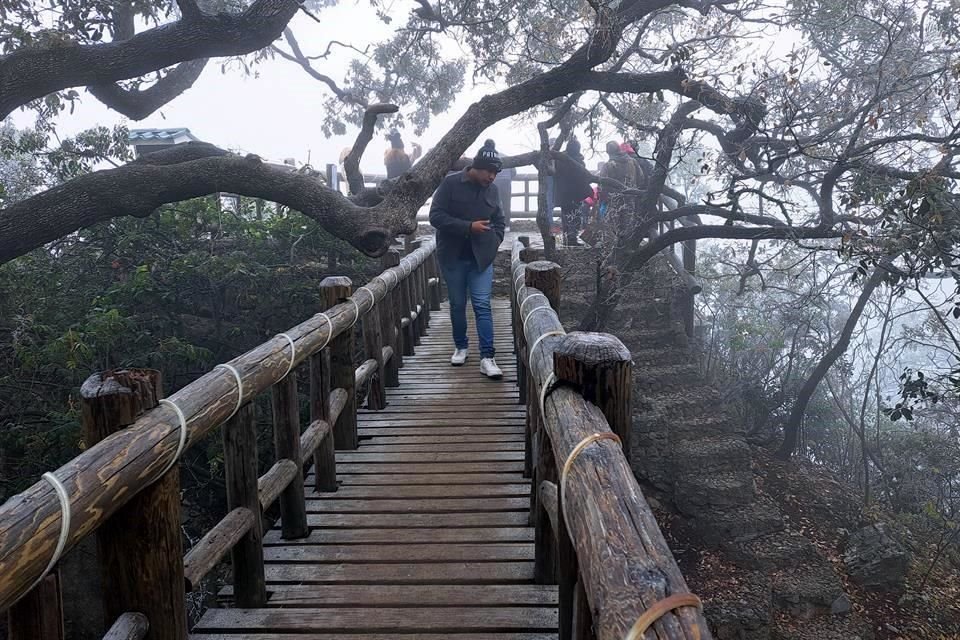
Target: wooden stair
[428,535]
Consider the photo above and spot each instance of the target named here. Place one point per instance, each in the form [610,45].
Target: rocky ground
[777,551]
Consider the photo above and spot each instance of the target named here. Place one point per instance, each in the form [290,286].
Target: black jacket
[458,202]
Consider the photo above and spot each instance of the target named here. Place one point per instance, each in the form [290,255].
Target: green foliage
[195,284]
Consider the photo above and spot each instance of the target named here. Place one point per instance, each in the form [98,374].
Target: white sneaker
[489,368]
[459,357]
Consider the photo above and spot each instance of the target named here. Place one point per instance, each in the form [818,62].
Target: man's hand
[479,226]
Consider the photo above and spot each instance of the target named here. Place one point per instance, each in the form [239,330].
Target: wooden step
[367,596]
[406,553]
[417,520]
[472,535]
[401,573]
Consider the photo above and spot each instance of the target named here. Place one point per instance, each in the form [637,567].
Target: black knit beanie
[488,158]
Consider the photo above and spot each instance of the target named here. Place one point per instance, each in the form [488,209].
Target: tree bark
[791,430]
[30,73]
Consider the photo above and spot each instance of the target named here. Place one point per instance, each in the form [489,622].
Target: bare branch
[298,57]
[351,164]
[31,73]
[136,104]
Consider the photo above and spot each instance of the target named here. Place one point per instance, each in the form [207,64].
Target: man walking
[468,217]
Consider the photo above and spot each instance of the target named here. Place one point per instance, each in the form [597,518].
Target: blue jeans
[461,277]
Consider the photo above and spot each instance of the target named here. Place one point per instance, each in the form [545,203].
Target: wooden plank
[402,573]
[428,491]
[377,636]
[432,467]
[392,620]
[417,520]
[439,447]
[440,438]
[474,535]
[389,595]
[407,553]
[413,505]
[433,431]
[423,458]
[437,413]
[470,425]
[425,479]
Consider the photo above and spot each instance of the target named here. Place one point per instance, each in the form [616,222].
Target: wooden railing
[125,487]
[595,534]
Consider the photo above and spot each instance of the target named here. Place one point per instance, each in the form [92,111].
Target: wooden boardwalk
[427,536]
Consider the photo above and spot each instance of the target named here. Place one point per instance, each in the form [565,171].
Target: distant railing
[595,534]
[125,486]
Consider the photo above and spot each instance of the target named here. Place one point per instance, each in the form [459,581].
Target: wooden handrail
[623,561]
[105,477]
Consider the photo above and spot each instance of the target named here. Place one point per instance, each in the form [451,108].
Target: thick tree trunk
[791,431]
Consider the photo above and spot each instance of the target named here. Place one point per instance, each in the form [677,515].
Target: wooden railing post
[599,366]
[520,338]
[334,290]
[38,615]
[407,307]
[433,273]
[373,345]
[545,277]
[286,441]
[392,334]
[417,298]
[139,548]
[324,458]
[241,477]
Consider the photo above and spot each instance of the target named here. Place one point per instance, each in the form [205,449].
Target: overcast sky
[273,113]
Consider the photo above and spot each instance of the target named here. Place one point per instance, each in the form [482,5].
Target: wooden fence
[125,486]
[595,534]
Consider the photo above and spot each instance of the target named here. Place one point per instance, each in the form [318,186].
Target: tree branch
[724,232]
[136,104]
[189,171]
[31,73]
[299,58]
[351,164]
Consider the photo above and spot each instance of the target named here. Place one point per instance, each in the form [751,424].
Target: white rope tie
[524,303]
[293,353]
[373,298]
[329,330]
[568,464]
[396,278]
[356,309]
[534,310]
[545,388]
[236,374]
[536,343]
[183,435]
[516,281]
[65,517]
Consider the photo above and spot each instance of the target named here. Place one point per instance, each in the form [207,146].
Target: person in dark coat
[571,188]
[468,217]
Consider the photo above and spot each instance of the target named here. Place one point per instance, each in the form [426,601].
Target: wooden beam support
[139,548]
[39,614]
[286,443]
[373,346]
[129,626]
[334,290]
[240,476]
[324,457]
[216,544]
